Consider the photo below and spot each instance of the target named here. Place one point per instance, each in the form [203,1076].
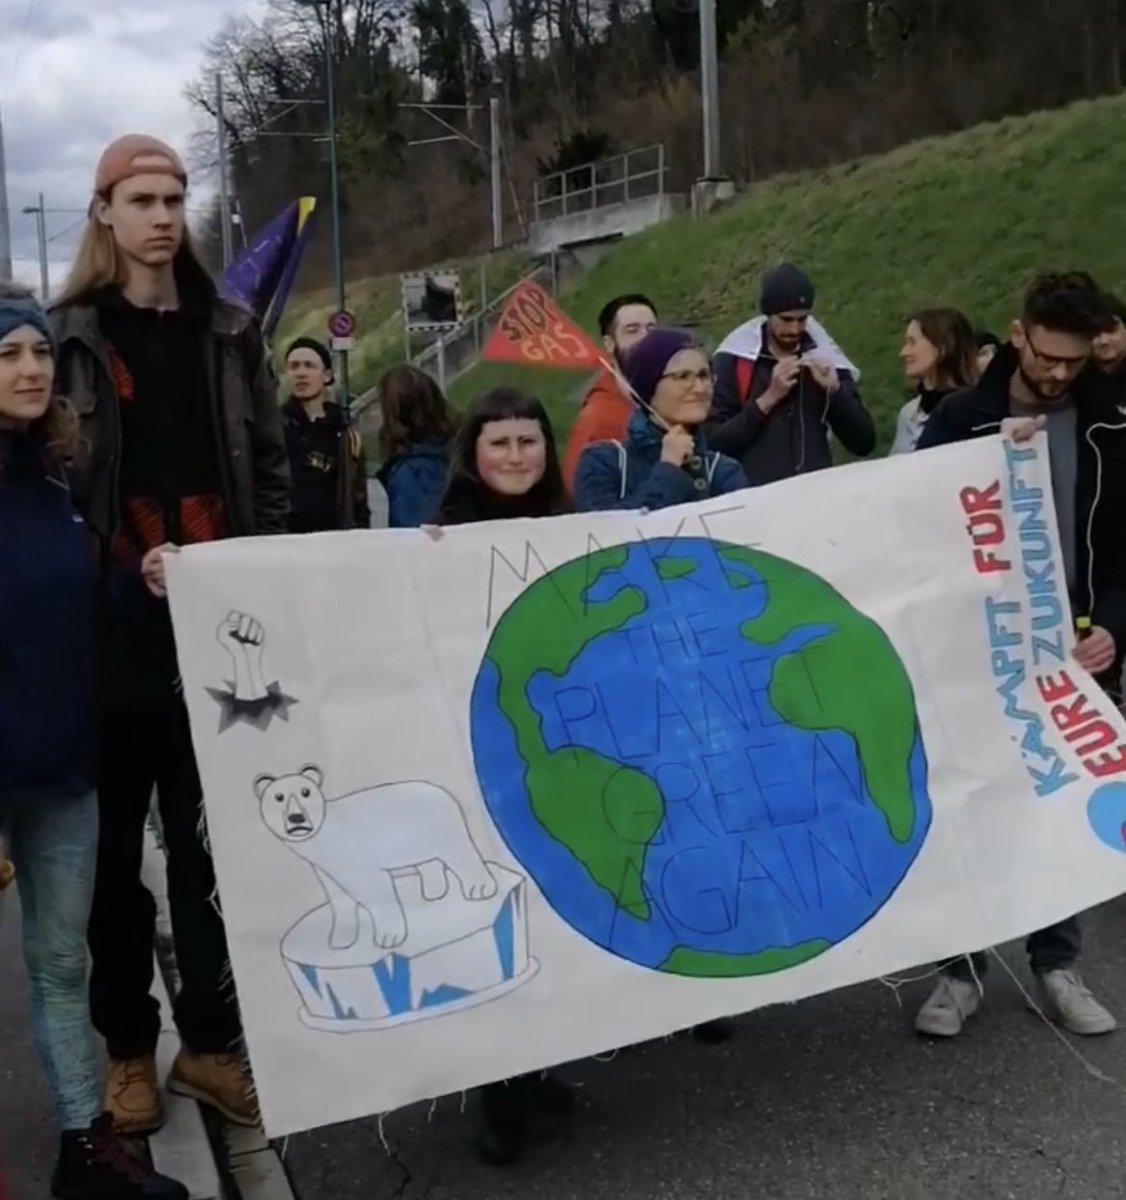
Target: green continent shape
[816,687]
[686,961]
[669,567]
[605,814]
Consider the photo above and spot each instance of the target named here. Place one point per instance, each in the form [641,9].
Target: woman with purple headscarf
[663,460]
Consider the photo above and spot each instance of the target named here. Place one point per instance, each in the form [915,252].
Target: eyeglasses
[1051,361]
[686,378]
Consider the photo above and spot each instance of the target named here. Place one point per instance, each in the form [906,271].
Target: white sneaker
[1065,999]
[951,1003]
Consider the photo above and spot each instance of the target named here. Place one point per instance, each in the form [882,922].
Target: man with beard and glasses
[1043,379]
[608,406]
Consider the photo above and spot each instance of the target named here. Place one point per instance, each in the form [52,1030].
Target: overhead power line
[69,228]
[21,41]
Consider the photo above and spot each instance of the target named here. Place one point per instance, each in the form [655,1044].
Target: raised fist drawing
[243,638]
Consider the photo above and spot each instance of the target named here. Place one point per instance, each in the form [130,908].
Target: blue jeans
[53,842]
[1053,949]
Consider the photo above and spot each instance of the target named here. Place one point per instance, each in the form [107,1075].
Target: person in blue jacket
[417,425]
[48,803]
[663,459]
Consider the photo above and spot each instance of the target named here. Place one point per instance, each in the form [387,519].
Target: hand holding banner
[534,332]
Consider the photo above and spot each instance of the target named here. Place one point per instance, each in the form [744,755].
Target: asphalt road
[28,1141]
[834,1098]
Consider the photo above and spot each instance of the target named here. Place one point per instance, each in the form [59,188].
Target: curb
[241,1159]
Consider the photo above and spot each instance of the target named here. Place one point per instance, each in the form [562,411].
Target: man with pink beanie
[179,414]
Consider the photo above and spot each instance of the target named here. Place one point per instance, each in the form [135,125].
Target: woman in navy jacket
[48,806]
[663,460]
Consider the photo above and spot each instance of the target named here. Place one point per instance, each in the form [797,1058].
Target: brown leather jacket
[244,408]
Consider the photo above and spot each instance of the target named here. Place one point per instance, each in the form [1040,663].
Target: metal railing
[455,352]
[631,176]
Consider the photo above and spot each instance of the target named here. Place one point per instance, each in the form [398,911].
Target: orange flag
[534,332]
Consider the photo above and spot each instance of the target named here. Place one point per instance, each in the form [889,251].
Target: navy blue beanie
[785,289]
[646,361]
[16,312]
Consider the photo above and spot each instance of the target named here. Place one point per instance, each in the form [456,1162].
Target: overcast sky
[75,74]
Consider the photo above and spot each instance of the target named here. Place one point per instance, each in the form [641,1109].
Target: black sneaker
[100,1164]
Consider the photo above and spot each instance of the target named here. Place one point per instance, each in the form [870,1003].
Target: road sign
[341,345]
[342,324]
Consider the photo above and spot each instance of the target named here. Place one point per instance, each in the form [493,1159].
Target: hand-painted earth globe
[707,759]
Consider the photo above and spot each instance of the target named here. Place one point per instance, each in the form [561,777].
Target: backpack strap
[623,467]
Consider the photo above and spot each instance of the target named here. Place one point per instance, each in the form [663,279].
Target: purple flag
[261,277]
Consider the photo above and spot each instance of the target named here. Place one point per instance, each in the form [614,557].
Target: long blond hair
[98,263]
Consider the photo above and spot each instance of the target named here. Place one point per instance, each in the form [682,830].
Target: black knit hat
[786,288]
[308,343]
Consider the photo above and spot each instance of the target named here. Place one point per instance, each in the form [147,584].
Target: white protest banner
[539,789]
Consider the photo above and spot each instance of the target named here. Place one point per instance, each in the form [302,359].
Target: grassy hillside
[963,220]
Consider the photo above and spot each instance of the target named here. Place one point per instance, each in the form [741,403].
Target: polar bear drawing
[359,843]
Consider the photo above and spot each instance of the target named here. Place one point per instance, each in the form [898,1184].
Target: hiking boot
[714,1033]
[502,1132]
[950,1005]
[553,1096]
[1064,998]
[217,1080]
[101,1164]
[132,1095]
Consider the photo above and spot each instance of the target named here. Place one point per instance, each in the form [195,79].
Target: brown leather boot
[217,1080]
[133,1095]
[7,868]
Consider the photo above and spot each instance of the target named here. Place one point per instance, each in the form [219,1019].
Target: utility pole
[224,176]
[709,88]
[40,212]
[495,172]
[343,394]
[5,225]
[236,219]
[334,172]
